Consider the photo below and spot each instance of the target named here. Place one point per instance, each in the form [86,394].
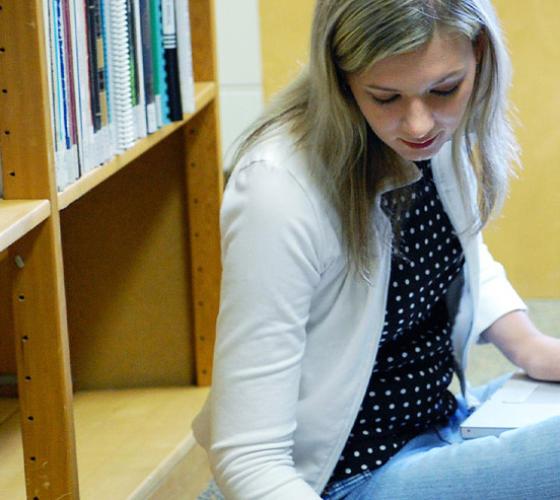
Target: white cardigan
[298,332]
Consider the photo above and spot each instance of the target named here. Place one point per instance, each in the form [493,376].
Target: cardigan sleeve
[271,255]
[497,295]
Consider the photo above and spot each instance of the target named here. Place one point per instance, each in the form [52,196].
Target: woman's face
[414,102]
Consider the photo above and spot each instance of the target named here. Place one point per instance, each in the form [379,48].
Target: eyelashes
[440,93]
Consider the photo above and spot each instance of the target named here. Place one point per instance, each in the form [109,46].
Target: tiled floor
[486,362]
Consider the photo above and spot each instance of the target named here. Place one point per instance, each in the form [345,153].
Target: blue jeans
[522,464]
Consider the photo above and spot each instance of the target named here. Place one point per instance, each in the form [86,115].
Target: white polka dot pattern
[407,392]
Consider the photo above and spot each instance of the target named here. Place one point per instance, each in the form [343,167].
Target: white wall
[239,67]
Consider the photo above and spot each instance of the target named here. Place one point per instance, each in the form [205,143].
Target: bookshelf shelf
[19,217]
[127,440]
[205,92]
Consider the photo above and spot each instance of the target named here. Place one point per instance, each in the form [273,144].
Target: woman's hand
[525,346]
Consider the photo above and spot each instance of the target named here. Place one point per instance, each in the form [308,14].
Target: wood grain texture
[204,188]
[37,287]
[7,346]
[130,442]
[45,391]
[127,276]
[12,475]
[25,135]
[18,217]
[202,16]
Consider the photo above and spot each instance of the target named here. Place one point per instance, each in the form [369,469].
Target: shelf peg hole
[25,338]
[12,174]
[31,418]
[6,132]
[2,49]
[33,459]
[27,377]
[21,297]
[4,91]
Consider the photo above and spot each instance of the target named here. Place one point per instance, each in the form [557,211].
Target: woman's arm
[515,335]
[271,254]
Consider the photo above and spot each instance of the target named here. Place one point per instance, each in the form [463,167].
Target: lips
[420,145]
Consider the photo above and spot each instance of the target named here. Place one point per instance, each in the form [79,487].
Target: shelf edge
[205,92]
[33,213]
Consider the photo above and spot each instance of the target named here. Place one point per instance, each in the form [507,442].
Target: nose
[418,120]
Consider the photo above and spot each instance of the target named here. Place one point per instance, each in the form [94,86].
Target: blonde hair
[347,159]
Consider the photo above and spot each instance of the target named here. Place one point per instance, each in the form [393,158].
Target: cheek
[381,121]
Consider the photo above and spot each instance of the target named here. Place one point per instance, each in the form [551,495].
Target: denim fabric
[521,464]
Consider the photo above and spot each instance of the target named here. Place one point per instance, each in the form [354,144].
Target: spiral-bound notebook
[120,61]
[519,402]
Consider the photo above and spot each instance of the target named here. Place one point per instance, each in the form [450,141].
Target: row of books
[119,70]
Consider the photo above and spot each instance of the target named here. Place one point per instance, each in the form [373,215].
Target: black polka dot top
[407,392]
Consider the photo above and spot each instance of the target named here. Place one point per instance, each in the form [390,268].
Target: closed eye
[447,92]
[441,93]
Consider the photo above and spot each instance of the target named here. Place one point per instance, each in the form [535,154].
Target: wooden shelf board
[18,217]
[12,478]
[127,440]
[205,92]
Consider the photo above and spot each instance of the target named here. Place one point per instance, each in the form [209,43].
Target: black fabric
[408,390]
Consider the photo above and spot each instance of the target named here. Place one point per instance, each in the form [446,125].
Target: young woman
[355,278]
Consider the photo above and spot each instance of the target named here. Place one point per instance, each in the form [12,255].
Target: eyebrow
[386,89]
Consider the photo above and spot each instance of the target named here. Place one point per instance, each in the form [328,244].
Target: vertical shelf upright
[37,291]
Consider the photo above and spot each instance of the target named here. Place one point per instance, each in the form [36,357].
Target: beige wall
[284,40]
[526,238]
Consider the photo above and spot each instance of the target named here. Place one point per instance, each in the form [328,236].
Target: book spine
[160,84]
[91,44]
[184,54]
[121,74]
[147,61]
[171,60]
[137,68]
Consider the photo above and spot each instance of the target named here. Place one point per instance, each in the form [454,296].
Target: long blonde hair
[347,159]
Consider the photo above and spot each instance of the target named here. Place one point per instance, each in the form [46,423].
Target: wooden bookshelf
[18,217]
[205,93]
[113,285]
[127,441]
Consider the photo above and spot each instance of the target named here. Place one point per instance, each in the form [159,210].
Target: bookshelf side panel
[25,130]
[204,189]
[45,389]
[203,39]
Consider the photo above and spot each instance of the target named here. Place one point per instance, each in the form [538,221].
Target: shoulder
[272,194]
[275,174]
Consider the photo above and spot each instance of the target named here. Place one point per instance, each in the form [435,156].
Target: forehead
[444,54]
